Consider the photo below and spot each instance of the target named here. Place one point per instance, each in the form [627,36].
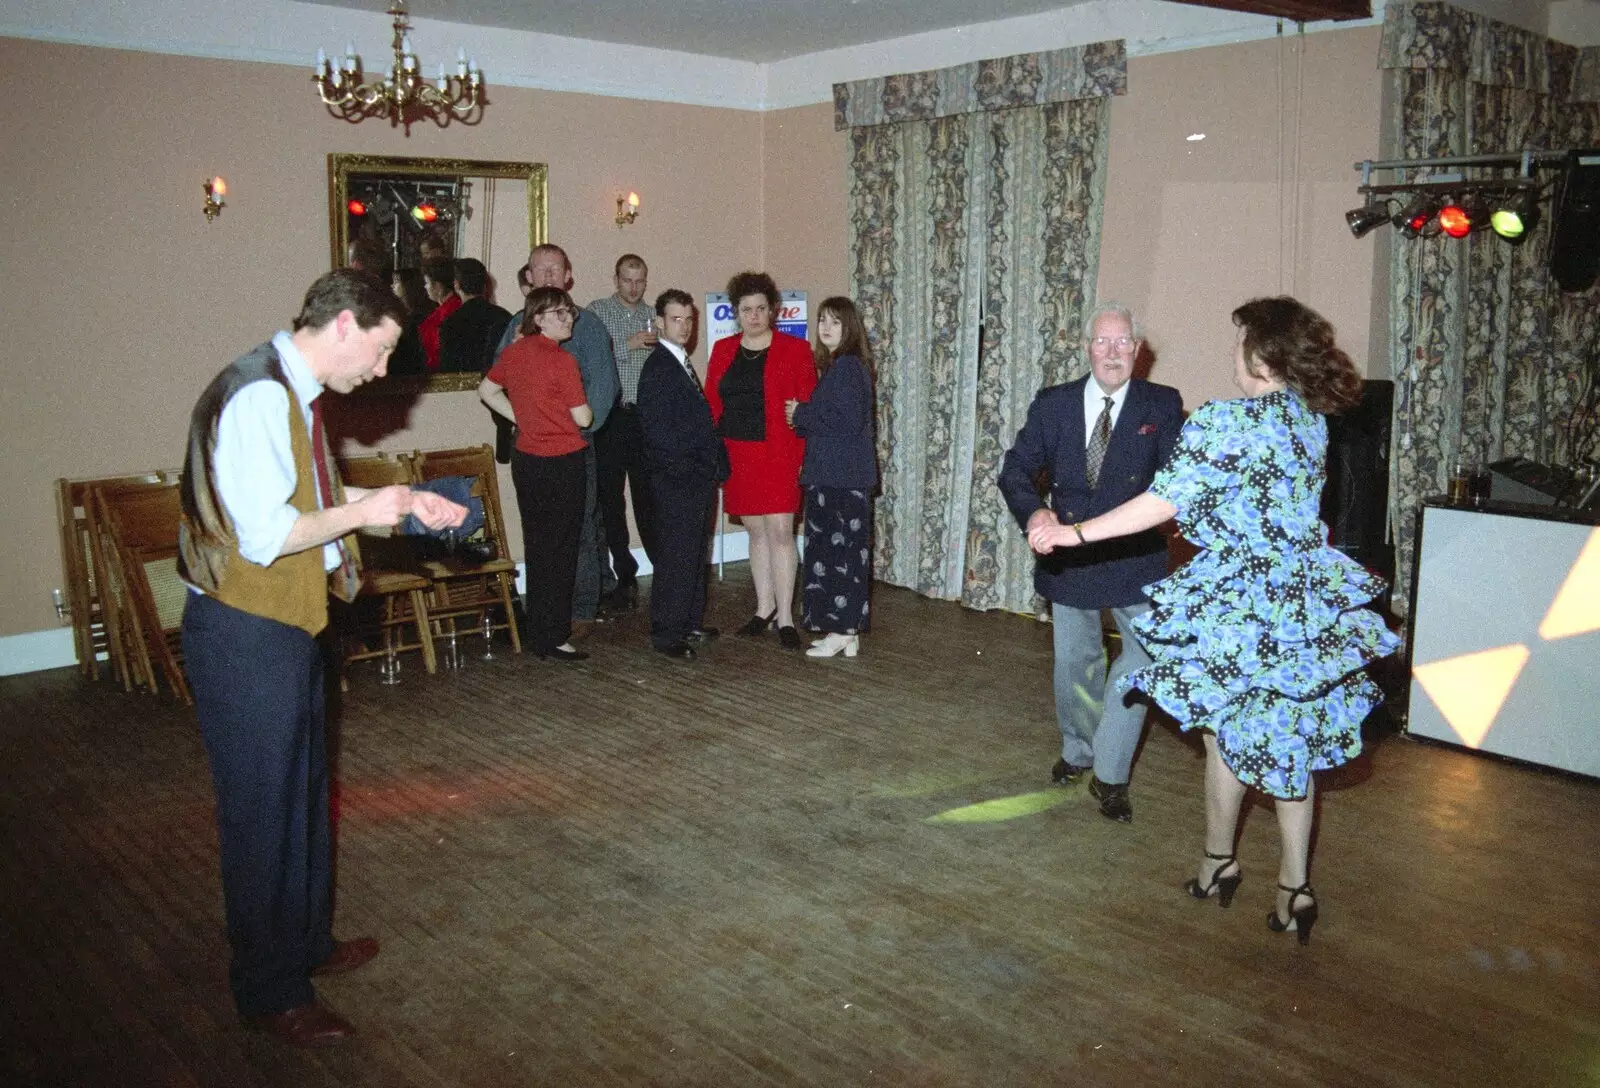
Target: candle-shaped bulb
[218,186]
[633,202]
[322,60]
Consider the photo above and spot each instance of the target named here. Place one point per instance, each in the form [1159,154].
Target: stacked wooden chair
[393,603]
[473,589]
[119,549]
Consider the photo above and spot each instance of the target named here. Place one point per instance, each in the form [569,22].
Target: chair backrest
[143,524]
[140,527]
[477,462]
[377,470]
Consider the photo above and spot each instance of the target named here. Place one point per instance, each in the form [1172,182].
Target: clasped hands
[1046,533]
[389,505]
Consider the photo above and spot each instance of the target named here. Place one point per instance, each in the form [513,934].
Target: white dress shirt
[254,460]
[1094,402]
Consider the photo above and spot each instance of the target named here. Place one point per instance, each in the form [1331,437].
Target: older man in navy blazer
[1100,440]
[686,461]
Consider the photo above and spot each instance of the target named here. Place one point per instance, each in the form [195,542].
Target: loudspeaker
[1355,499]
[1575,227]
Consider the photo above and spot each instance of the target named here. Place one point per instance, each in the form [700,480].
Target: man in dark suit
[685,461]
[467,338]
[1100,439]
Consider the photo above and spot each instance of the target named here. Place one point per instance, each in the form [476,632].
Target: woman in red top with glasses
[535,384]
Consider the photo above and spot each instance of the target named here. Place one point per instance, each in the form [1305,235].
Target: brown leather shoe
[311,1024]
[347,956]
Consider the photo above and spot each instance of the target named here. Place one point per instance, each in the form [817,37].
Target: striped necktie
[1098,441]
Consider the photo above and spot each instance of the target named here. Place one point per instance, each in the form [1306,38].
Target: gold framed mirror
[387,211]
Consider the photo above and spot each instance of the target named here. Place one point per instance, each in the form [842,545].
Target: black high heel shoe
[1302,919]
[757,625]
[1223,886]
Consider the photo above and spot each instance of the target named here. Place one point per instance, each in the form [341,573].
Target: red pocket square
[1147,428]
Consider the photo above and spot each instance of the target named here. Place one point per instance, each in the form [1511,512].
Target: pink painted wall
[1195,227]
[123,301]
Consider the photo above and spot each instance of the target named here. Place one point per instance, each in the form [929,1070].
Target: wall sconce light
[627,209]
[215,189]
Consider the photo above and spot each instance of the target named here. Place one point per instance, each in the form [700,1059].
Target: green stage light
[1507,223]
[1515,219]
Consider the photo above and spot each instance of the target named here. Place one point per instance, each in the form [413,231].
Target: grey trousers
[594,564]
[1096,731]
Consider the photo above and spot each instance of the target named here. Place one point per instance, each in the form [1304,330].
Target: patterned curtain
[1488,353]
[917,238]
[976,197]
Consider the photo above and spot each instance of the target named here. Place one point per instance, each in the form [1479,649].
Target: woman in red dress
[748,379]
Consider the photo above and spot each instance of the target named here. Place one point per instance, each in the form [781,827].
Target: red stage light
[355,207]
[1454,221]
[425,213]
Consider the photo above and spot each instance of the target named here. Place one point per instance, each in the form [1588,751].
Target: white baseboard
[732,547]
[35,651]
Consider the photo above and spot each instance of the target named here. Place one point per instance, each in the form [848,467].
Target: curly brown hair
[754,283]
[1295,345]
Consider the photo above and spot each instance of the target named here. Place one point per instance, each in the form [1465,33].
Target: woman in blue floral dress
[1261,639]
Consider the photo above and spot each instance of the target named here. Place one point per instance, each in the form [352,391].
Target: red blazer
[790,373]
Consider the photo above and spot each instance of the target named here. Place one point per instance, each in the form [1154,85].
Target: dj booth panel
[1505,633]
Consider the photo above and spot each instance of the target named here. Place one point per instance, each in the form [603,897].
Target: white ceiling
[750,30]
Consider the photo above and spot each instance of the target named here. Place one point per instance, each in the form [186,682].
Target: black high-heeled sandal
[758,624]
[1302,919]
[1223,886]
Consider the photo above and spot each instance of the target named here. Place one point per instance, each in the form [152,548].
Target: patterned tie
[348,579]
[699,388]
[1098,441]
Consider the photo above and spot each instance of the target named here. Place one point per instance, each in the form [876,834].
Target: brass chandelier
[402,95]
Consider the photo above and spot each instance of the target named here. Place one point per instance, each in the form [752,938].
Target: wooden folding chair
[463,587]
[140,526]
[392,579]
[84,590]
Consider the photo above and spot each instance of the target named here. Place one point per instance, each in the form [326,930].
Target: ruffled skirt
[1266,651]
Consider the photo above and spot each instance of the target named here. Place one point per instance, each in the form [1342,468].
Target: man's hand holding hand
[436,511]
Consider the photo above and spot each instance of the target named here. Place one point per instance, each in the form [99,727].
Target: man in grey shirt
[548,266]
[619,449]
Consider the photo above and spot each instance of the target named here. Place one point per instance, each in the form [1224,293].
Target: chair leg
[511,615]
[419,612]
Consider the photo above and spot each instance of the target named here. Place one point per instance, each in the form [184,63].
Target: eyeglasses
[1106,343]
[560,311]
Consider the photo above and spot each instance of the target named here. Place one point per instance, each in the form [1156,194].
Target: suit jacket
[467,338]
[680,441]
[1108,573]
[837,426]
[790,373]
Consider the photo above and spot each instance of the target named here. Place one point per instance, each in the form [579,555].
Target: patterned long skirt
[838,560]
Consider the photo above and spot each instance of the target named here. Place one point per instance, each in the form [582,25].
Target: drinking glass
[1460,481]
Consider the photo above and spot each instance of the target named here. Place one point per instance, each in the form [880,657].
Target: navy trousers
[678,580]
[257,687]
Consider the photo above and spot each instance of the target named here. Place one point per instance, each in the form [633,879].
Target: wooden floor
[758,869]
